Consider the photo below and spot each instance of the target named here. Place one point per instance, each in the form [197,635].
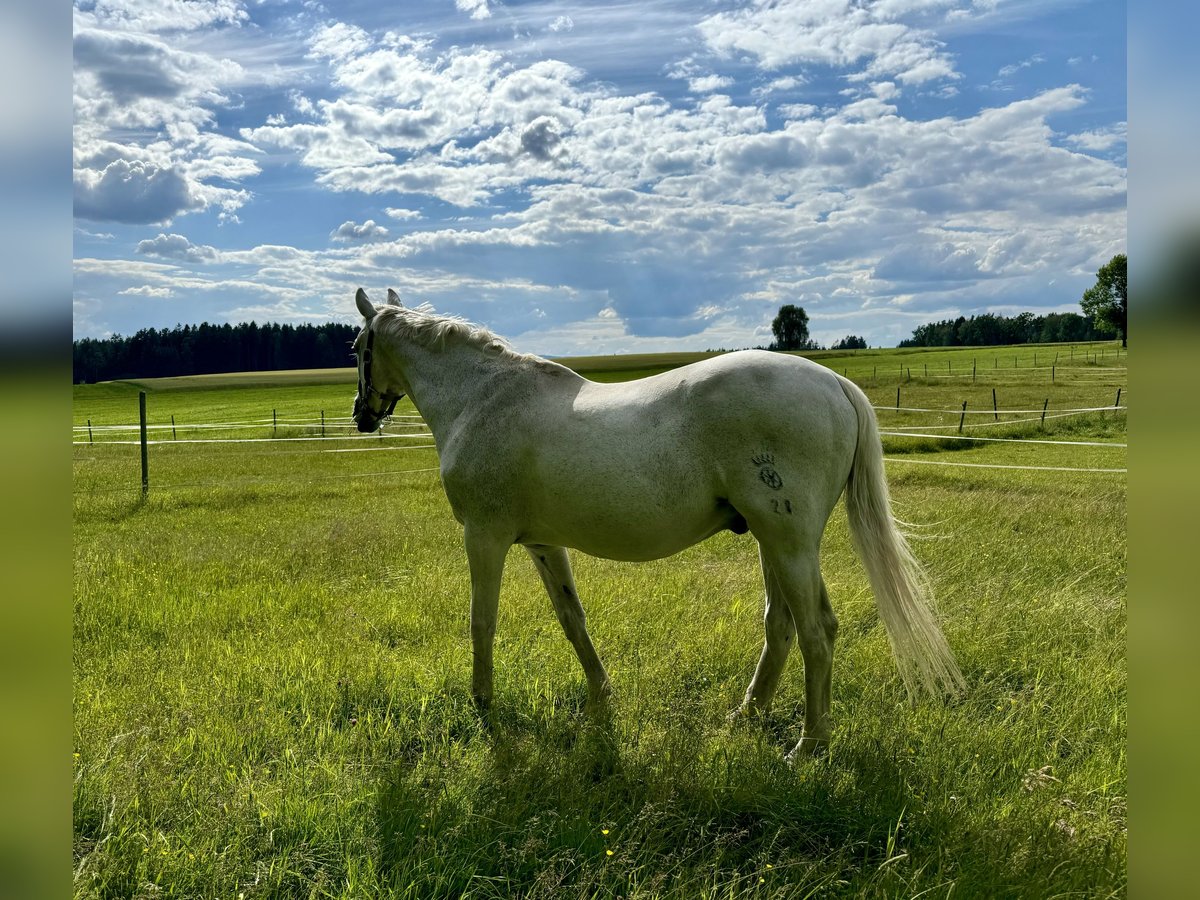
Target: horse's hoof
[808,748]
[743,715]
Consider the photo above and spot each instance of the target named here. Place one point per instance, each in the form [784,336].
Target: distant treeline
[205,349]
[988,329]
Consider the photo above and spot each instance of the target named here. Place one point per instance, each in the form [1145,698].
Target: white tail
[901,587]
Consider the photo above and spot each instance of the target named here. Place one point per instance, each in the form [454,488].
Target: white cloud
[163,15]
[146,290]
[402,214]
[133,192]
[562,23]
[352,232]
[708,83]
[837,33]
[477,8]
[144,148]
[1100,139]
[176,247]
[1013,68]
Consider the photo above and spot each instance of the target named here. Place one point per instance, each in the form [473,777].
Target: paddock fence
[322,434]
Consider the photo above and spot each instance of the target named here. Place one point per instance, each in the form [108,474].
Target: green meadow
[272,663]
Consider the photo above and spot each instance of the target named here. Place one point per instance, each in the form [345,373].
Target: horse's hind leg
[780,636]
[798,578]
[554,566]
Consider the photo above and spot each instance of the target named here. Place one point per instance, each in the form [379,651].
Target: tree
[1107,301]
[790,328]
[850,342]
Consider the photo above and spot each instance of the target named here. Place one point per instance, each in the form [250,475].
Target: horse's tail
[901,587]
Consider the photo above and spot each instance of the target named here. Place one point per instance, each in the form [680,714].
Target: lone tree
[790,328]
[1107,301]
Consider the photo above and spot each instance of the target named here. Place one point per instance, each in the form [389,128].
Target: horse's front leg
[485,556]
[554,566]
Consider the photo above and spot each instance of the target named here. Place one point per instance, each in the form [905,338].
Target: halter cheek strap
[365,388]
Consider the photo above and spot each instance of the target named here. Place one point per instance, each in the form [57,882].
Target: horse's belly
[634,537]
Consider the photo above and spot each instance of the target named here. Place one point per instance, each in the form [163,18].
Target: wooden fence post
[963,417]
[897,398]
[1052,367]
[974,363]
[1118,401]
[274,422]
[995,410]
[145,457]
[89,431]
[1044,405]
[174,436]
[322,423]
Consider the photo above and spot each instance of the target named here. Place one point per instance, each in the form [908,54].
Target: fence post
[1118,402]
[89,431]
[874,373]
[963,417]
[145,457]
[995,410]
[274,422]
[926,370]
[974,363]
[897,397]
[948,366]
[174,437]
[322,423]
[1052,367]
[1044,405]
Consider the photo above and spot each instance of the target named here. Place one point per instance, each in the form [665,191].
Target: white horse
[532,453]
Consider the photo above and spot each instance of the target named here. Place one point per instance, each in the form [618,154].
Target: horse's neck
[446,383]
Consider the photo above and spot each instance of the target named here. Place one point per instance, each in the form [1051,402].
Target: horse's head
[380,386]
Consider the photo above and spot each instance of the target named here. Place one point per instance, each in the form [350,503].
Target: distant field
[272,664]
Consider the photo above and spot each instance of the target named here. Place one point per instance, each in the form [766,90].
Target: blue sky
[596,177]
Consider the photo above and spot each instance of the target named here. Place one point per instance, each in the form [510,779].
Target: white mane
[434,331]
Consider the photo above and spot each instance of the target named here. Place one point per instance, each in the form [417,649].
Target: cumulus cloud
[352,232]
[477,8]
[145,150]
[838,33]
[1099,140]
[689,215]
[133,192]
[175,247]
[146,290]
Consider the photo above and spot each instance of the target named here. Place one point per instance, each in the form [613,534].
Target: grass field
[272,663]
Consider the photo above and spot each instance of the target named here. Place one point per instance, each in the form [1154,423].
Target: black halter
[365,388]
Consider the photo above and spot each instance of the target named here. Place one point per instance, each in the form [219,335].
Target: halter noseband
[365,388]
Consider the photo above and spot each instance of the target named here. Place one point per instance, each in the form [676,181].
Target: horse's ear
[363,304]
[393,298]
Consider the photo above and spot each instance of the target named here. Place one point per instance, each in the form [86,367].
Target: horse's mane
[435,331]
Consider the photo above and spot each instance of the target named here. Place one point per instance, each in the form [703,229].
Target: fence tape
[956,437]
[344,437]
[993,412]
[938,462]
